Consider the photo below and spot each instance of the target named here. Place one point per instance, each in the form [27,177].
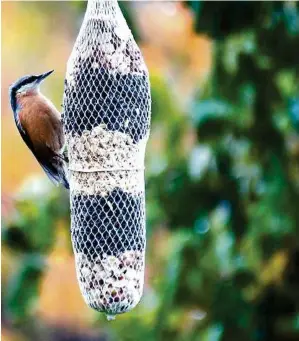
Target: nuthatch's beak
[41,77]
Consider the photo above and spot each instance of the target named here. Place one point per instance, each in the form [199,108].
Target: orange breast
[41,121]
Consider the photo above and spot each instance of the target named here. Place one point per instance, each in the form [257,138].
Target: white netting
[106,123]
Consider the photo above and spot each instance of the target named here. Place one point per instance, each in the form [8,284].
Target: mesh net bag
[106,120]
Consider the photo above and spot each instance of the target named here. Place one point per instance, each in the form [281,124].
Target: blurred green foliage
[231,205]
[30,234]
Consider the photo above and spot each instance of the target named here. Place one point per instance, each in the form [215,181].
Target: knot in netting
[106,123]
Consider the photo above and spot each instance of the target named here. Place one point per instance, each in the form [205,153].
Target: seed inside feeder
[115,279]
[106,121]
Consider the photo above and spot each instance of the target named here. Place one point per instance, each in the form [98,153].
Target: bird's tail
[56,172]
[64,179]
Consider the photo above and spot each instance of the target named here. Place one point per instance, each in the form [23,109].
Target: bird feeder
[106,123]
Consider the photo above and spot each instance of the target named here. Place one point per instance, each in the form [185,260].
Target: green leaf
[211,117]
[23,288]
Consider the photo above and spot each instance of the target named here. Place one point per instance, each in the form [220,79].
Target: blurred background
[222,177]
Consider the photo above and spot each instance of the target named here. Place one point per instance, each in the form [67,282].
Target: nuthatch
[40,126]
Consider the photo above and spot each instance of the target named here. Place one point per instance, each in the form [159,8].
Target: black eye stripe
[29,80]
[21,82]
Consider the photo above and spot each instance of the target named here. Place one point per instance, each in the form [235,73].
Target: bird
[40,126]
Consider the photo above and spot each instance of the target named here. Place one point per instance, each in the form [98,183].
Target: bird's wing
[51,163]
[48,168]
[22,132]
